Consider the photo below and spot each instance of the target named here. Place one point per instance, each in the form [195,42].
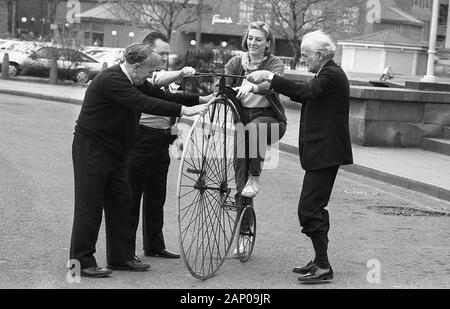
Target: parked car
[73,63]
[111,57]
[18,53]
[4,42]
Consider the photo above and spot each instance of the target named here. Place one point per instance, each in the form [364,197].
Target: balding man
[103,137]
[324,141]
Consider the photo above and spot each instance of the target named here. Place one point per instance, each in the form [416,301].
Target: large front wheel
[207,210]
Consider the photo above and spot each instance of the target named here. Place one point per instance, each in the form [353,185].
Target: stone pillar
[5,66]
[432,47]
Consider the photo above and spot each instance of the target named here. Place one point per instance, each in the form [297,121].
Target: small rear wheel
[245,240]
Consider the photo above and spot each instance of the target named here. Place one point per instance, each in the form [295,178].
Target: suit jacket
[185,99]
[112,107]
[324,138]
[272,64]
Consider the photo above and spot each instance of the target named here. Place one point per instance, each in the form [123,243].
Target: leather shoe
[95,272]
[133,265]
[162,254]
[305,269]
[313,276]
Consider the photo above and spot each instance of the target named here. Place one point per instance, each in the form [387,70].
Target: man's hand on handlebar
[197,109]
[207,98]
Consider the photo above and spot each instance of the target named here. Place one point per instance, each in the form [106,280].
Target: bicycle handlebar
[221,75]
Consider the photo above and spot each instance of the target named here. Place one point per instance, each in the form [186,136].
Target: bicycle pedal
[230,206]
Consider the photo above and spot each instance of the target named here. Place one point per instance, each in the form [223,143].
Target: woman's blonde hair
[262,26]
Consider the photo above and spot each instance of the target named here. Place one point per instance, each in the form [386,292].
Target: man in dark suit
[324,141]
[103,137]
[149,160]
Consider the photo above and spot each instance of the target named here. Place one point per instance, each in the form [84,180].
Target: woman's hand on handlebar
[258,77]
[244,90]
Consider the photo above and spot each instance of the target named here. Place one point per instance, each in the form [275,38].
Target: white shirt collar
[321,67]
[124,69]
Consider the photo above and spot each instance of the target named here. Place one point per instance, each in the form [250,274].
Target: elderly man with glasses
[324,141]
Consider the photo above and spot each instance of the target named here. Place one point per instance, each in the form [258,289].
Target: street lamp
[224,44]
[114,33]
[131,35]
[24,19]
[193,42]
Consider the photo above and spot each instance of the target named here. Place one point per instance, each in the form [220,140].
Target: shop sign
[217,20]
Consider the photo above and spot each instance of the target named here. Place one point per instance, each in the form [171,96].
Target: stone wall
[397,117]
[392,117]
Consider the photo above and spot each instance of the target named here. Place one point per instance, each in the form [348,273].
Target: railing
[287,63]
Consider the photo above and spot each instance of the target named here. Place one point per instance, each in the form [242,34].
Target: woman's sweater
[272,64]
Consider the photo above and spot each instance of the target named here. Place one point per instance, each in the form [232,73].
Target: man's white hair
[318,41]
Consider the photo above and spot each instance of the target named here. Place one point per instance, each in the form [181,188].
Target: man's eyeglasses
[305,56]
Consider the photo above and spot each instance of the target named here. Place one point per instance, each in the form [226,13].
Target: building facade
[372,53]
[223,23]
[7,17]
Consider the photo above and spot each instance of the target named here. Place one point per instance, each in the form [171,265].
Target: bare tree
[12,16]
[160,15]
[52,5]
[291,19]
[43,5]
[198,33]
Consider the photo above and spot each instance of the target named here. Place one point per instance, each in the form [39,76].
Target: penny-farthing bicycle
[210,208]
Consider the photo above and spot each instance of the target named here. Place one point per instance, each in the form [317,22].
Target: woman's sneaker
[241,250]
[252,187]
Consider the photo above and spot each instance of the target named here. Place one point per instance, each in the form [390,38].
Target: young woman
[261,106]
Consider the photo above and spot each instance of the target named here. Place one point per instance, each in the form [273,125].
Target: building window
[97,39]
[443,13]
[422,4]
[246,8]
[263,11]
[348,20]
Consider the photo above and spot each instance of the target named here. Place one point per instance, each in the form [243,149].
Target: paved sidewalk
[415,169]
[412,168]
